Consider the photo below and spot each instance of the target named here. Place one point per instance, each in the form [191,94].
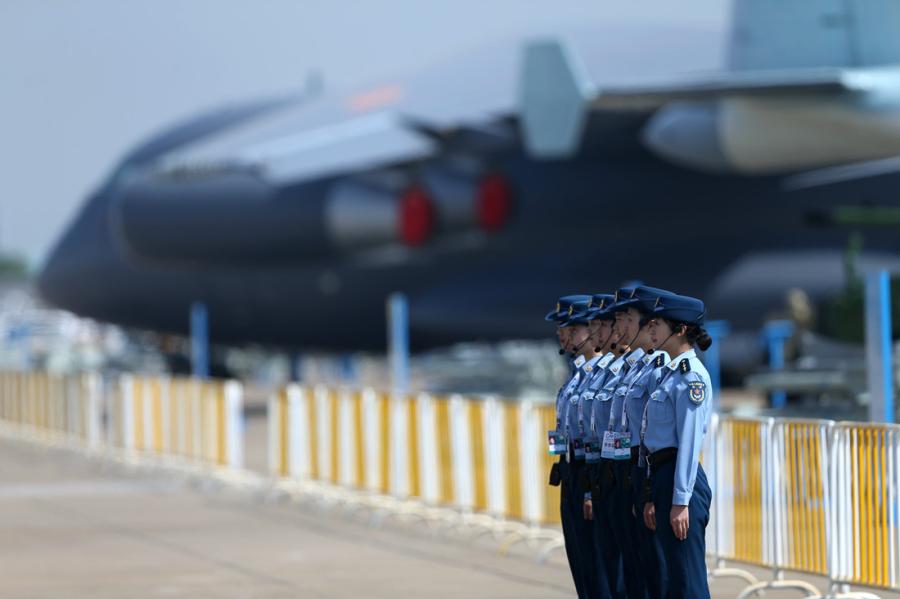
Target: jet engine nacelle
[235,217]
[775,135]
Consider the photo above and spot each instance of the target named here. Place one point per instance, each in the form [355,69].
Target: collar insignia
[685,366]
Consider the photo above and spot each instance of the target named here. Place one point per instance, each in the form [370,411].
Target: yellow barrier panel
[802,453]
[741,463]
[867,481]
[446,493]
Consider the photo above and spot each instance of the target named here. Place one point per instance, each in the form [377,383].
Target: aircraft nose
[72,276]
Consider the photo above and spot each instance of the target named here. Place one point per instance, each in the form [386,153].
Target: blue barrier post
[398,341]
[295,360]
[348,372]
[879,354]
[775,333]
[718,330]
[199,340]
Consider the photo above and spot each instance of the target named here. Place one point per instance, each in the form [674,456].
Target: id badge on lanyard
[578,447]
[592,450]
[556,442]
[616,446]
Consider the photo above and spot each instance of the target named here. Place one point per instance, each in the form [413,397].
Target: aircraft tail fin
[785,34]
[554,94]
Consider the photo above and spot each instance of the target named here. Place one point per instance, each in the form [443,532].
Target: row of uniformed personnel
[630,423]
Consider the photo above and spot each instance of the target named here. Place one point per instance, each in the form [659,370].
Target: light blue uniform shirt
[562,401]
[596,414]
[619,387]
[582,411]
[678,414]
[639,390]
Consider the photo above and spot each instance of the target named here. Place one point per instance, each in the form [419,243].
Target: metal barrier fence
[53,406]
[866,475]
[807,496]
[198,421]
[480,455]
[790,495]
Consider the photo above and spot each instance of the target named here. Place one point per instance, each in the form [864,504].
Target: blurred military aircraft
[487,186]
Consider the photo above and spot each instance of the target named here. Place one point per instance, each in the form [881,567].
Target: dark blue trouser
[605,547]
[590,568]
[618,510]
[650,555]
[685,560]
[568,526]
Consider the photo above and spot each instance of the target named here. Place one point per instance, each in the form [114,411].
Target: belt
[658,459]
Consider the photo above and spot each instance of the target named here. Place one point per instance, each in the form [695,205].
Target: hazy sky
[82,81]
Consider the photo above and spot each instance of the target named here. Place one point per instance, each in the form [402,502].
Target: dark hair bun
[698,337]
[703,340]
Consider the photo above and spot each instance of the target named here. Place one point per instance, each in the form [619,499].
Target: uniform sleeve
[692,401]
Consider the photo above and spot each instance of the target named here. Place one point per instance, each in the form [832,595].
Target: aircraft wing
[557,98]
[845,173]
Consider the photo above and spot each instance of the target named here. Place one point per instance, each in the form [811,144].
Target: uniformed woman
[567,473]
[647,362]
[673,425]
[594,416]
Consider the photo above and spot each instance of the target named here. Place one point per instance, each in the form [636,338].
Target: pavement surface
[74,527]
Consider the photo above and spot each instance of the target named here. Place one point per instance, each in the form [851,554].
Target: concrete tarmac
[71,527]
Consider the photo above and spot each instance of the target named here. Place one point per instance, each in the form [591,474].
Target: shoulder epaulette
[684,366]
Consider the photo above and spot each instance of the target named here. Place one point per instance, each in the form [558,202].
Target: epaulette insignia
[684,366]
[660,361]
[571,309]
[588,368]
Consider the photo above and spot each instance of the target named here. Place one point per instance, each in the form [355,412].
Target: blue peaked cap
[680,308]
[563,305]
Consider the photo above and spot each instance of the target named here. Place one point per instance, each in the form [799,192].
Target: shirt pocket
[603,405]
[660,408]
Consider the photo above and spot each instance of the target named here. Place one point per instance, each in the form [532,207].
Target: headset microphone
[599,348]
[672,334]
[562,352]
[580,345]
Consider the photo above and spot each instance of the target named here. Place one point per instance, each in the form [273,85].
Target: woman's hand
[588,510]
[680,520]
[650,515]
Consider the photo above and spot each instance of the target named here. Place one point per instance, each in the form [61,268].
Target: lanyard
[638,377]
[611,426]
